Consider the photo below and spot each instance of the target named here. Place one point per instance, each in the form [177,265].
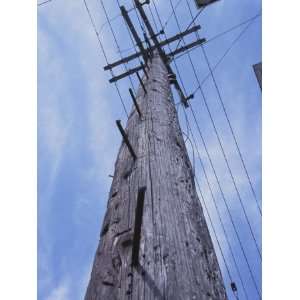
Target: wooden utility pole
[154,242]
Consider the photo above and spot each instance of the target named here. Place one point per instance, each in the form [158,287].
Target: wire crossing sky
[78,140]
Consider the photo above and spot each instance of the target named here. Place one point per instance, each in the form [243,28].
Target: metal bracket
[138,226]
[141,82]
[135,103]
[126,140]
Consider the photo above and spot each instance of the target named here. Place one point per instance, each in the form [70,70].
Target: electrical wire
[128,30]
[224,200]
[178,74]
[220,142]
[193,145]
[104,54]
[116,42]
[250,22]
[231,130]
[215,204]
[137,15]
[192,22]
[45,2]
[152,16]
[224,108]
[188,132]
[171,14]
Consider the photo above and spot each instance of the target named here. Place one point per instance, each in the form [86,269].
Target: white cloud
[61,292]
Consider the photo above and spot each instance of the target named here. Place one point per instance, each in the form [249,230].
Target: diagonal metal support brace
[135,103]
[125,138]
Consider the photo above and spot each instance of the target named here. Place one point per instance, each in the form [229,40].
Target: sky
[78,140]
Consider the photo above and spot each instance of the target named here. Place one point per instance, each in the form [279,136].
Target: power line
[219,140]
[171,14]
[137,15]
[231,129]
[152,16]
[188,131]
[215,234]
[250,22]
[116,41]
[45,2]
[224,200]
[104,54]
[192,22]
[129,33]
[221,34]
[227,117]
[175,64]
[226,160]
[215,203]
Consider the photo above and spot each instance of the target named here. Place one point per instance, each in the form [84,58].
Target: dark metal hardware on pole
[125,138]
[138,226]
[203,3]
[135,103]
[141,82]
[258,73]
[145,71]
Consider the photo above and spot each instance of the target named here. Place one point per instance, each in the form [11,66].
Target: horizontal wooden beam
[129,72]
[187,47]
[161,44]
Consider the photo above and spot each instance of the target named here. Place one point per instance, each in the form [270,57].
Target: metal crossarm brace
[125,138]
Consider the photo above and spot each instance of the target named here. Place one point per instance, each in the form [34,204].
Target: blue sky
[78,140]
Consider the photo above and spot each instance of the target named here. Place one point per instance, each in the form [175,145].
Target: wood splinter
[125,138]
[138,226]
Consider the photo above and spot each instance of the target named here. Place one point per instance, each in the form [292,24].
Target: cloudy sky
[78,140]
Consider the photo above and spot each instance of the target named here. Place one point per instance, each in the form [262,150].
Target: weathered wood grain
[176,255]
